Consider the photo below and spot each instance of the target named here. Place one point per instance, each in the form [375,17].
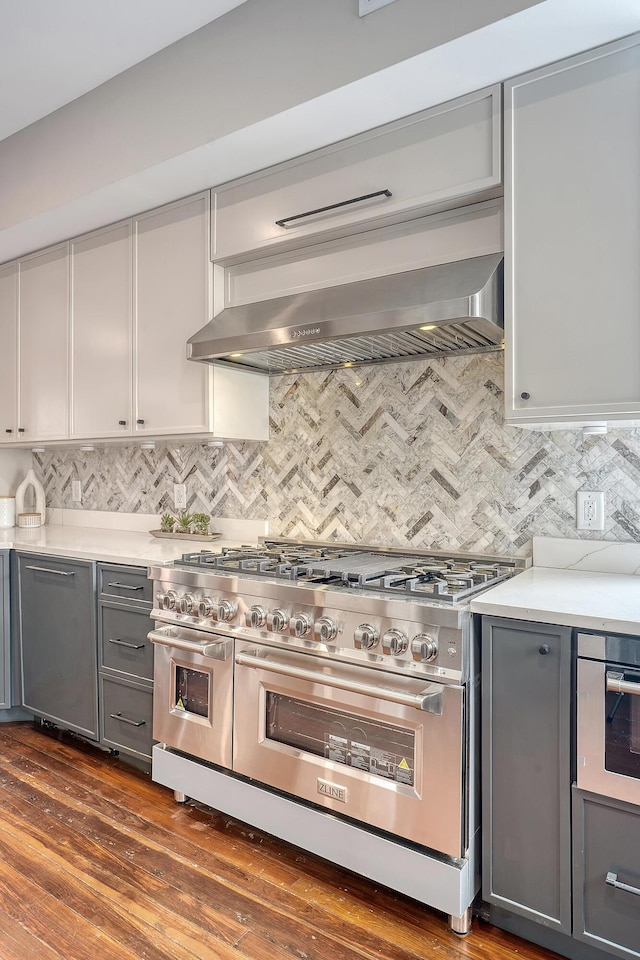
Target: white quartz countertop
[110,546]
[573,598]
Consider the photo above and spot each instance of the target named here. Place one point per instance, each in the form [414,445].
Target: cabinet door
[101,369]
[430,159]
[526,778]
[9,335]
[606,841]
[5,634]
[172,295]
[572,244]
[44,344]
[58,644]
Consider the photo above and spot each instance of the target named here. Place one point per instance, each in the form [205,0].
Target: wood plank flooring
[99,863]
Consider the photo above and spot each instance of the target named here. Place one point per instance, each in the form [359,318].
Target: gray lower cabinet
[57,637]
[606,849]
[5,633]
[526,770]
[126,660]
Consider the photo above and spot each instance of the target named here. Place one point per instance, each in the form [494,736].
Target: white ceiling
[52,51]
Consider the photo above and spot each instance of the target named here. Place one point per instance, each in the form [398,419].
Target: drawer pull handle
[612,880]
[124,586]
[132,723]
[333,206]
[123,643]
[58,573]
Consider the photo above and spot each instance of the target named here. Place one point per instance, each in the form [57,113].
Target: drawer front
[127,714]
[607,874]
[446,153]
[129,584]
[123,641]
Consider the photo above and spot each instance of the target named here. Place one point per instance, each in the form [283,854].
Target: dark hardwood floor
[99,863]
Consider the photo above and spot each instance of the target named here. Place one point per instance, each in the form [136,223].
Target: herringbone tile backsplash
[404,453]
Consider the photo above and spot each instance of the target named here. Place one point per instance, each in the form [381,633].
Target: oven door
[609,730]
[379,748]
[193,693]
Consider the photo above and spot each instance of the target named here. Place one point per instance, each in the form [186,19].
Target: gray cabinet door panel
[526,676]
[123,641]
[607,843]
[58,641]
[127,716]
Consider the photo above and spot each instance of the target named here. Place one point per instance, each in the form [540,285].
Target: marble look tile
[404,453]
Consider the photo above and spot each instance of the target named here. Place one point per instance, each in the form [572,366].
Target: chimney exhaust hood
[451,308]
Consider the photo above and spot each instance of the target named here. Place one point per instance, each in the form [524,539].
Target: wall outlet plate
[76,491]
[368,6]
[180,496]
[589,510]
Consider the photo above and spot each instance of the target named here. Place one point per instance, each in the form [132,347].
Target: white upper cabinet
[171,276]
[101,342]
[172,281]
[430,160]
[572,240]
[9,336]
[43,407]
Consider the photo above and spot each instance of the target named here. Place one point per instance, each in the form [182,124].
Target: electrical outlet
[368,6]
[590,510]
[180,496]
[76,491]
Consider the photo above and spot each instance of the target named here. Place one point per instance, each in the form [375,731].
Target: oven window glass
[192,691]
[378,748]
[622,727]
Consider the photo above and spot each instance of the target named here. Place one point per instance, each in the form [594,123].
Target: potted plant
[200,522]
[184,522]
[167,523]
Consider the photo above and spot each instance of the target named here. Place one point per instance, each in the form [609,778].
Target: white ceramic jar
[7,512]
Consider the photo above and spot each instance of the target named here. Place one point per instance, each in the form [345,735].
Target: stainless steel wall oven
[327,694]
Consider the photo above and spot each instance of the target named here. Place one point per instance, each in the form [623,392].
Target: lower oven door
[193,693]
[609,730]
[380,748]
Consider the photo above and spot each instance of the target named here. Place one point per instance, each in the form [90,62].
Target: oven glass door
[383,749]
[608,730]
[622,723]
[193,693]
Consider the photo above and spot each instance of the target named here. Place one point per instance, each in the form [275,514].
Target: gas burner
[449,579]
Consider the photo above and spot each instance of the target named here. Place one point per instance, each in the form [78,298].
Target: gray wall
[409,453]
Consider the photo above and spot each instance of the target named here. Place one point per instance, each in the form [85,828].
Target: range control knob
[394,643]
[299,625]
[205,607]
[168,600]
[325,630]
[424,648]
[185,604]
[255,616]
[225,610]
[365,637]
[277,621]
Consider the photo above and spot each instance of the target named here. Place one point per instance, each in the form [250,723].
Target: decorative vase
[31,480]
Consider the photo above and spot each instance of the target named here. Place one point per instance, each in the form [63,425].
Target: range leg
[461,925]
[179,797]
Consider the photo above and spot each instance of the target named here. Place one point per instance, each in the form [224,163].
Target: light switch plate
[368,6]
[589,510]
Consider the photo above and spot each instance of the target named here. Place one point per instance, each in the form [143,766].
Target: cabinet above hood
[451,308]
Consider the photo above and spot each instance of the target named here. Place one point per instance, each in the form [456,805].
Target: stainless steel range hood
[435,311]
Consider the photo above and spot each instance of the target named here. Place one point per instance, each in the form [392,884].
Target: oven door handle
[617,684]
[220,650]
[429,699]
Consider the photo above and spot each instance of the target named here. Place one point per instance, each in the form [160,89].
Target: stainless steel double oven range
[328,694]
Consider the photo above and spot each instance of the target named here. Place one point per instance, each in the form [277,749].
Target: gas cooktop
[433,575]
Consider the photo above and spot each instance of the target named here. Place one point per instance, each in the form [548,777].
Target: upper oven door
[193,692]
[609,730]
[384,749]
